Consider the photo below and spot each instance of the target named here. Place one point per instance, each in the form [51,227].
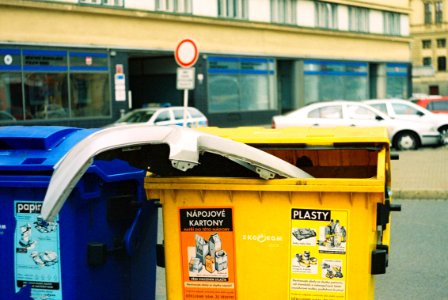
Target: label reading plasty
[318,257]
[36,247]
[208,256]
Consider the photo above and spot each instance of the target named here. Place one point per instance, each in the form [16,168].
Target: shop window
[397,80]
[89,84]
[89,92]
[441,63]
[426,44]
[237,9]
[46,95]
[241,84]
[11,107]
[329,80]
[326,15]
[358,19]
[53,84]
[284,11]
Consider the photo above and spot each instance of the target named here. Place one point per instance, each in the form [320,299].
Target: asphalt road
[418,264]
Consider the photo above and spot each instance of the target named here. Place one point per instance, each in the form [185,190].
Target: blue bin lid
[37,148]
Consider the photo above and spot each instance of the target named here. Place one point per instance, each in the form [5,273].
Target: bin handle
[133,235]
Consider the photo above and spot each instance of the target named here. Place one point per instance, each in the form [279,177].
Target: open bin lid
[171,150]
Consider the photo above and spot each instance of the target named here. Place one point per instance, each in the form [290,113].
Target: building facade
[429,29]
[85,62]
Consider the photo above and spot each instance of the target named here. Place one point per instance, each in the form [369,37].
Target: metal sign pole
[185,107]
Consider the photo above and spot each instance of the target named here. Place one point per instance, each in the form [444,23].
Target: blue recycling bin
[102,245]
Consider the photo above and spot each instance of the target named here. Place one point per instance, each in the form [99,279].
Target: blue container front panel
[83,221]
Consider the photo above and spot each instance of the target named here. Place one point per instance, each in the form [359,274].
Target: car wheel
[406,141]
[444,132]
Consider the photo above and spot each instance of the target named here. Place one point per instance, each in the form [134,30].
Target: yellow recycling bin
[295,238]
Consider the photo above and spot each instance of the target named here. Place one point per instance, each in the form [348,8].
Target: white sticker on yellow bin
[318,258]
[208,254]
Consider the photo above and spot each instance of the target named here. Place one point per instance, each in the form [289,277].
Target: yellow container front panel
[279,245]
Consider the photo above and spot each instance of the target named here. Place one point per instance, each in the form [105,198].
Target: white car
[404,135]
[406,110]
[165,116]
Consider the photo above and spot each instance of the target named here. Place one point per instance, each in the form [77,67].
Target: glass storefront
[238,84]
[330,80]
[397,81]
[53,84]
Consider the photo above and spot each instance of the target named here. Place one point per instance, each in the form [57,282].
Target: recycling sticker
[318,256]
[36,248]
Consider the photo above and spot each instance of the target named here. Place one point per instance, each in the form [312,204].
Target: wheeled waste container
[256,213]
[319,237]
[102,243]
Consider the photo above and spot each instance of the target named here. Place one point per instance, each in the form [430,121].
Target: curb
[420,194]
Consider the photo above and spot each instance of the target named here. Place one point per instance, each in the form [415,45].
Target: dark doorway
[152,80]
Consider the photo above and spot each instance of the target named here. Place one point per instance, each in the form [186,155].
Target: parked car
[406,110]
[403,134]
[435,104]
[163,116]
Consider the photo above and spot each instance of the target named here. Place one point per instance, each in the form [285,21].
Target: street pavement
[421,174]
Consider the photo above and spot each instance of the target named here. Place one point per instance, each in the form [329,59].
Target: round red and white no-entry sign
[186,53]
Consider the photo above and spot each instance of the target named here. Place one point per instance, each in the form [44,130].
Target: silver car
[404,135]
[406,110]
[165,116]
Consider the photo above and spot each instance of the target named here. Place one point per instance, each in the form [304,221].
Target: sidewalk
[421,174]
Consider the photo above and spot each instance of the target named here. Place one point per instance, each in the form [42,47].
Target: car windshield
[140,116]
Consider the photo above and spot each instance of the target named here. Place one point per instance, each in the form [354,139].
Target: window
[45,95]
[441,63]
[379,106]
[119,3]
[329,80]
[356,112]
[441,43]
[438,105]
[53,84]
[163,116]
[439,12]
[426,44]
[237,9]
[284,11]
[174,6]
[89,82]
[241,84]
[327,112]
[397,80]
[326,15]
[11,106]
[358,19]
[428,13]
[403,109]
[392,23]
[427,61]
